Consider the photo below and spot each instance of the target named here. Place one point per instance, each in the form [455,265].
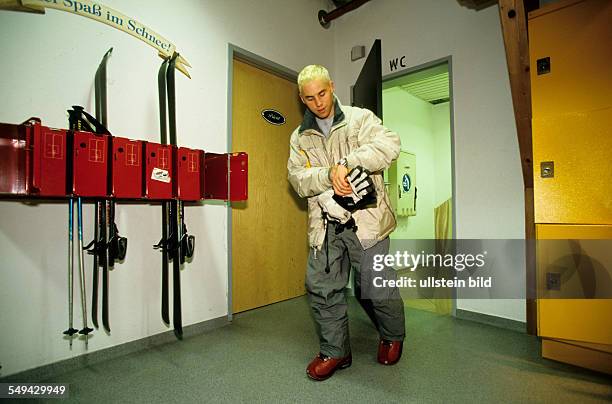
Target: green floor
[262,356]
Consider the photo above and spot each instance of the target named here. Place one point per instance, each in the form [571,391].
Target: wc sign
[393,63]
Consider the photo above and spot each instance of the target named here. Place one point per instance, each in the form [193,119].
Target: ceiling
[430,85]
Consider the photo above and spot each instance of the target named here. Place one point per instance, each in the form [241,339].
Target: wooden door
[269,231]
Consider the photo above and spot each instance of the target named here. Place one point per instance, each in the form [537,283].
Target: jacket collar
[310,121]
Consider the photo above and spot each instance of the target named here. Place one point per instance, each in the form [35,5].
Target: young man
[336,159]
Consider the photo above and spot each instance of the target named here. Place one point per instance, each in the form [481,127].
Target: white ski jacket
[358,135]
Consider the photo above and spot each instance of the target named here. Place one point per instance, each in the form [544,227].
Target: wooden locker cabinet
[572,138]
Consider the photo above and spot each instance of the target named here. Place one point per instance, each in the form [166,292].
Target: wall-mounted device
[402,180]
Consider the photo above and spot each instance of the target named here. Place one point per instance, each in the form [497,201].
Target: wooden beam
[514,27]
[530,265]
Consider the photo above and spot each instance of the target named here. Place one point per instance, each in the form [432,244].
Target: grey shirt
[325,124]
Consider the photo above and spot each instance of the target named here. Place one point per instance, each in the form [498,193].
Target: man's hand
[363,191]
[337,175]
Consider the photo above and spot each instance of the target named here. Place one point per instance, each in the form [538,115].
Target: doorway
[268,245]
[418,105]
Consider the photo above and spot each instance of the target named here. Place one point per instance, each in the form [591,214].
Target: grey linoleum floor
[262,355]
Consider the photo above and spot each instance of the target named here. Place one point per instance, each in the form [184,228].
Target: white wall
[411,118]
[489,189]
[49,65]
[442,152]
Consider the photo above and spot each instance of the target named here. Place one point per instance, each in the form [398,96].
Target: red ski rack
[51,154]
[13,159]
[38,161]
[33,160]
[90,164]
[190,182]
[159,171]
[128,168]
[226,176]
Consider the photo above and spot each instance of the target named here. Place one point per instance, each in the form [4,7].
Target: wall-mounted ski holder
[189,174]
[90,164]
[159,171]
[33,160]
[38,161]
[15,145]
[51,154]
[226,176]
[128,168]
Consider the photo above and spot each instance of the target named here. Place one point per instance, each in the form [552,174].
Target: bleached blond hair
[310,73]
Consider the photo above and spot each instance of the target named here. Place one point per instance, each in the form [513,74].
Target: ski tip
[183,61]
[108,52]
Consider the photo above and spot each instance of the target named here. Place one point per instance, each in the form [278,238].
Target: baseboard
[89,359]
[495,321]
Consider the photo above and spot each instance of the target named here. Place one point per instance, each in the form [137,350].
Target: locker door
[571,85]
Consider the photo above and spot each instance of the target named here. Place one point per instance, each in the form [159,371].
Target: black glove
[363,193]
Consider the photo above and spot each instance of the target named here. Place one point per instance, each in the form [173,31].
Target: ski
[163,243]
[104,219]
[108,245]
[174,215]
[176,244]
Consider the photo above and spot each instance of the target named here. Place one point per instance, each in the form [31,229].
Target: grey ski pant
[326,290]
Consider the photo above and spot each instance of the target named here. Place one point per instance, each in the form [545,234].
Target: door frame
[409,70]
[243,55]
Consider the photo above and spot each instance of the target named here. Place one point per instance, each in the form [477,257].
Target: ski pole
[70,331]
[104,241]
[86,330]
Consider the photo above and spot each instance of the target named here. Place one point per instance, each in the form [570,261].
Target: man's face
[318,96]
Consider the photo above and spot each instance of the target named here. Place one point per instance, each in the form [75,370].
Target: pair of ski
[176,244]
[107,245]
